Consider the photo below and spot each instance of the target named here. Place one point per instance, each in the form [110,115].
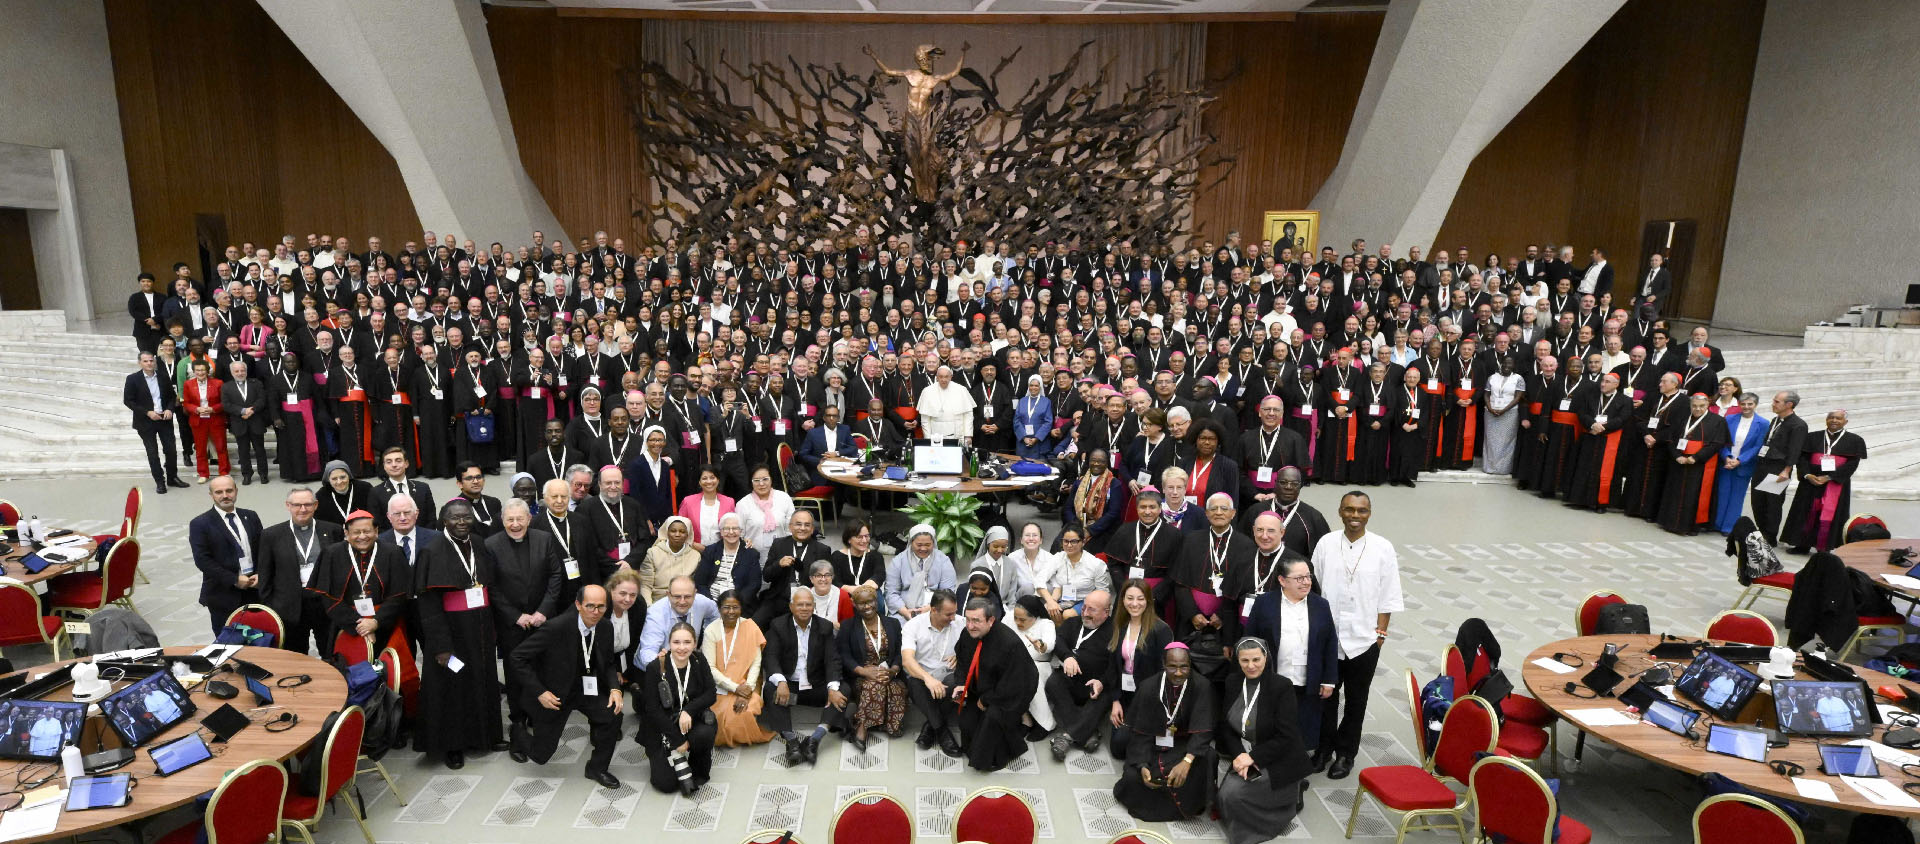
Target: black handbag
[479,429]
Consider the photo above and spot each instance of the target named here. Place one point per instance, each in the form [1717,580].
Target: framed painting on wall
[1296,229]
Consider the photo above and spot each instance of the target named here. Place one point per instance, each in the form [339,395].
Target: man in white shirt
[932,633]
[1359,575]
[946,409]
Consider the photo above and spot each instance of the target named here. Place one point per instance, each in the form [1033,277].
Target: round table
[11,567]
[1664,748]
[155,794]
[846,473]
[1870,558]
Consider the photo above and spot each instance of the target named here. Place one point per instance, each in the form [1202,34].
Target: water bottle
[70,765]
[39,532]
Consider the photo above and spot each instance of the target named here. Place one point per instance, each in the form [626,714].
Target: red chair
[1003,819]
[9,514]
[1587,616]
[1420,793]
[1743,819]
[872,817]
[1139,836]
[1891,629]
[1526,728]
[260,617]
[1515,804]
[84,593]
[129,524]
[819,498]
[390,671]
[342,747]
[236,814]
[1747,628]
[22,624]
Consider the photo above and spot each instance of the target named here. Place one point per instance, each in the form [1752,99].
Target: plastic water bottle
[70,765]
[34,528]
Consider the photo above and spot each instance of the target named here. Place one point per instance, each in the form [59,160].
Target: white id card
[1029,431]
[293,403]
[563,380]
[693,437]
[1566,404]
[1136,573]
[1433,384]
[780,427]
[1163,740]
[1246,606]
[1764,449]
[1216,583]
[590,686]
[1126,682]
[1827,463]
[536,393]
[1681,444]
[1466,383]
[398,399]
[476,597]
[733,444]
[1264,474]
[454,664]
[1375,410]
[1343,395]
[625,547]
[756,427]
[1144,479]
[437,395]
[573,568]
[1414,413]
[1599,419]
[1653,423]
[363,606]
[479,391]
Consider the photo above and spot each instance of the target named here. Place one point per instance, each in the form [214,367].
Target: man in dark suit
[1656,284]
[1597,277]
[289,553]
[828,439]
[567,665]
[527,589]
[244,400]
[145,308]
[1075,692]
[486,508]
[1314,664]
[149,396]
[803,669]
[1778,454]
[393,465]
[880,431]
[225,542]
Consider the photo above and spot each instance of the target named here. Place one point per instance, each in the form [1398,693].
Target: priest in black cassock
[1301,526]
[1604,418]
[1145,549]
[459,690]
[1533,420]
[1560,433]
[433,414]
[1824,500]
[1466,391]
[1168,775]
[1338,412]
[1694,441]
[1413,415]
[994,688]
[1376,426]
[1206,573]
[1265,449]
[1645,457]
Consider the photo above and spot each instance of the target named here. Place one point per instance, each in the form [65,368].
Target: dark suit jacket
[231,402]
[783,652]
[1323,646]
[218,558]
[1662,284]
[423,536]
[135,396]
[279,565]
[815,447]
[549,661]
[1092,654]
[422,497]
[137,308]
[536,587]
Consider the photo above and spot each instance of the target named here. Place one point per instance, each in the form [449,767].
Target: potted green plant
[954,518]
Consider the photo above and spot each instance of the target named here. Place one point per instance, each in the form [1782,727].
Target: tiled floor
[1466,550]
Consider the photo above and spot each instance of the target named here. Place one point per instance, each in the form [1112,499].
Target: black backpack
[1622,618]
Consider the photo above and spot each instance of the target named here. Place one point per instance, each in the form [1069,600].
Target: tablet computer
[1822,708]
[1848,760]
[1671,717]
[107,792]
[180,754]
[1738,742]
[34,563]
[261,692]
[226,722]
[1719,686]
[145,709]
[38,729]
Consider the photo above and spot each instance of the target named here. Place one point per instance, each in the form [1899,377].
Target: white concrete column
[420,75]
[1446,77]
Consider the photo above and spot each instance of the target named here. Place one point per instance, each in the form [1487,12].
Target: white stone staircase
[61,394]
[1881,397]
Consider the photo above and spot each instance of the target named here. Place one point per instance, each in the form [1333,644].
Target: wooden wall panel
[221,114]
[1285,115]
[560,76]
[1645,123]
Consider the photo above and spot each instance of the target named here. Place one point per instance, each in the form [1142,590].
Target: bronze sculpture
[925,109]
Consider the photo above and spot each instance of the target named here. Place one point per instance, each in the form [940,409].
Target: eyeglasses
[593,606]
[471,477]
[1299,578]
[1071,539]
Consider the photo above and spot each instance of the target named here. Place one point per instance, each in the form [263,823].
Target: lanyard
[1359,554]
[878,640]
[360,574]
[586,649]
[621,452]
[295,535]
[1084,634]
[726,652]
[1259,579]
[344,508]
[1605,403]
[238,539]
[1688,429]
[466,562]
[1176,700]
[1219,557]
[1267,442]
[566,535]
[1251,694]
[1830,441]
[1142,548]
[680,677]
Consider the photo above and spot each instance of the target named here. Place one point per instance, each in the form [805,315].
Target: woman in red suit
[201,403]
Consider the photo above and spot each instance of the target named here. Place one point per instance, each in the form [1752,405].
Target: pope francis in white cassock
[946,408]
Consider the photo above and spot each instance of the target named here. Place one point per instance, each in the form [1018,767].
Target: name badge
[689,439]
[1331,414]
[536,393]
[1343,395]
[476,597]
[1375,410]
[1466,383]
[563,380]
[454,664]
[1136,573]
[756,427]
[780,427]
[590,686]
[625,547]
[1126,682]
[1413,413]
[1246,607]
[1764,449]
[733,444]
[1264,474]
[1599,419]
[398,399]
[292,403]
[1144,479]
[1433,383]
[1681,444]
[1029,430]
[479,392]
[1163,740]
[363,606]
[435,392]
[1216,584]
[1827,463]
[1566,404]
[573,568]
[806,410]
[1653,423]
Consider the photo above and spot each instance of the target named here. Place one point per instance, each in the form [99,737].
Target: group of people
[649,405]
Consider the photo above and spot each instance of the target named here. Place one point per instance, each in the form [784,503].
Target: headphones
[1787,768]
[1577,690]
[1578,661]
[293,681]
[281,723]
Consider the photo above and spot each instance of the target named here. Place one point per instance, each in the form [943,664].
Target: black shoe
[1320,760]
[606,780]
[1092,743]
[812,750]
[859,742]
[795,751]
[517,755]
[1340,768]
[456,760]
[517,739]
[1802,550]
[160,489]
[951,746]
[1036,733]
[925,739]
[688,788]
[1060,744]
[246,480]
[1301,805]
[176,483]
[500,746]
